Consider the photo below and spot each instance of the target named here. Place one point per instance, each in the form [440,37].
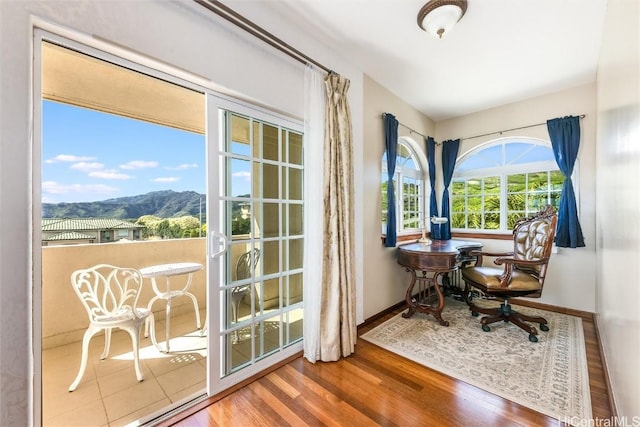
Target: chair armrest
[505,277]
[490,254]
[522,262]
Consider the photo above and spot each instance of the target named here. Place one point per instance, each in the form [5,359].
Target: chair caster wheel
[486,328]
[475,313]
[533,338]
[544,327]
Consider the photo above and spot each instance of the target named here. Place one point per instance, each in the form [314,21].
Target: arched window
[499,182]
[409,182]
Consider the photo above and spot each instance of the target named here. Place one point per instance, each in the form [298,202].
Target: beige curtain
[338,331]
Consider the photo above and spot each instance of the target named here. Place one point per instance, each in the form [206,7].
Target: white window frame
[502,171]
[400,173]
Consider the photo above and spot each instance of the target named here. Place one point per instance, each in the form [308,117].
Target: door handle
[216,236]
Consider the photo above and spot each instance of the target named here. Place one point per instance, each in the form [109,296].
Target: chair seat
[489,277]
[122,315]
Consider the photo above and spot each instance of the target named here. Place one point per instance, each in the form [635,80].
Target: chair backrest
[107,291]
[247,263]
[533,241]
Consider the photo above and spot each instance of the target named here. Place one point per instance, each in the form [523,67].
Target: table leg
[414,306]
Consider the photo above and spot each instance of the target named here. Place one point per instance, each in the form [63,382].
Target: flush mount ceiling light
[439,16]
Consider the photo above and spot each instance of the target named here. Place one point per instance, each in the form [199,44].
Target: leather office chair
[521,274]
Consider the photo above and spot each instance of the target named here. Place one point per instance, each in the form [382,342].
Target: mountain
[163,204]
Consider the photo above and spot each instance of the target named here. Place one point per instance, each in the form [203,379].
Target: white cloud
[166,179]
[244,174]
[52,187]
[87,166]
[69,158]
[109,174]
[139,164]
[182,167]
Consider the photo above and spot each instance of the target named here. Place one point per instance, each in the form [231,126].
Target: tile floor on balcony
[109,394]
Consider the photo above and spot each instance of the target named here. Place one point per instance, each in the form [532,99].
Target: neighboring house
[73,231]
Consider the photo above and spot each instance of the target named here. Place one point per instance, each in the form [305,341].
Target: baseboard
[585,315]
[605,369]
[383,313]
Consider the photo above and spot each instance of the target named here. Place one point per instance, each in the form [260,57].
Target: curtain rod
[252,28]
[582,116]
[411,130]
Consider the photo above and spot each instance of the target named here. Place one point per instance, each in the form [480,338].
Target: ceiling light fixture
[439,16]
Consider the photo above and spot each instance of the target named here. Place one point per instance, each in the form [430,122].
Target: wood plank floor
[376,387]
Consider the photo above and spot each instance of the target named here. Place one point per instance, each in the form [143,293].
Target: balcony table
[168,271]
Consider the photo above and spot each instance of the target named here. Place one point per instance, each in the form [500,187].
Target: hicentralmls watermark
[603,422]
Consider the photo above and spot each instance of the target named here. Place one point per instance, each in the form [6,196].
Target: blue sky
[89,156]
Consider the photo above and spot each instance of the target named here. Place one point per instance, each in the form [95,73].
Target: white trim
[511,169]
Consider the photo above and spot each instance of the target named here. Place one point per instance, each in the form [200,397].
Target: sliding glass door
[259,209]
[250,294]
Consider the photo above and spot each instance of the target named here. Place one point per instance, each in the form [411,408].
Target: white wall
[571,276]
[385,282]
[181,34]
[618,202]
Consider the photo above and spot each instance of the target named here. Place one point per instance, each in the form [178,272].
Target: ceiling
[501,51]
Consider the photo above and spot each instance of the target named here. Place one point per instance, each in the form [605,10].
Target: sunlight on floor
[109,393]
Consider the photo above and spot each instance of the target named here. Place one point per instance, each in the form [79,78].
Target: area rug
[549,376]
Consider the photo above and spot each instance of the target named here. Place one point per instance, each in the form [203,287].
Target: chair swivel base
[506,314]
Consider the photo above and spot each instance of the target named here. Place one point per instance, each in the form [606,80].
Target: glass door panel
[261,204]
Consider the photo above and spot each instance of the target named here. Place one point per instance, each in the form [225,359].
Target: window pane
[490,157]
[271,220]
[240,215]
[457,221]
[492,185]
[240,177]
[295,289]
[270,142]
[536,202]
[271,257]
[492,203]
[295,323]
[492,221]
[295,184]
[474,204]
[270,180]
[516,202]
[557,179]
[516,183]
[538,181]
[474,186]
[295,254]
[267,336]
[295,220]
[295,148]
[239,141]
[475,221]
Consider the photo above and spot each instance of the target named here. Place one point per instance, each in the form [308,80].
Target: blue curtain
[431,159]
[449,155]
[391,144]
[565,140]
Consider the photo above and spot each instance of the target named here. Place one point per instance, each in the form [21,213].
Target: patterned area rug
[549,376]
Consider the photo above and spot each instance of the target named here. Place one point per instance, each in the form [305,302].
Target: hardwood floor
[376,387]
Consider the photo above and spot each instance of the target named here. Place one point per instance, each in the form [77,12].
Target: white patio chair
[110,296]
